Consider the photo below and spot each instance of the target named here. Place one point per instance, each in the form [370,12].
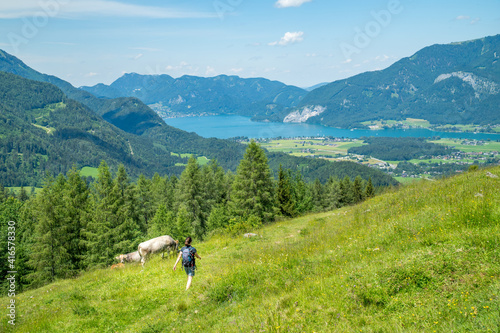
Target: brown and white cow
[156,245]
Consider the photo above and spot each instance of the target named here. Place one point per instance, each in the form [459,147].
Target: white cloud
[137,57]
[210,71]
[236,70]
[80,8]
[462,17]
[150,49]
[290,3]
[91,74]
[289,38]
[474,21]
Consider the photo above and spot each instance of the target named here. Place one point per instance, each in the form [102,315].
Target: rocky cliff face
[303,114]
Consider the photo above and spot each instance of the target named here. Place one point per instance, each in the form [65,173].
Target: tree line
[74,224]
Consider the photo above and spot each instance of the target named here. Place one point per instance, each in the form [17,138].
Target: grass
[89,172]
[303,147]
[489,146]
[411,122]
[202,160]
[17,189]
[423,258]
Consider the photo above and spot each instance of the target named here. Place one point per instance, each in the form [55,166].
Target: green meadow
[89,172]
[421,258]
[310,147]
[202,160]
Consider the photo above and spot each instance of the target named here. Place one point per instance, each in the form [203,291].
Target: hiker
[188,261]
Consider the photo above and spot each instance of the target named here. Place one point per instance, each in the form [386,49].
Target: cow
[129,257]
[157,245]
[119,265]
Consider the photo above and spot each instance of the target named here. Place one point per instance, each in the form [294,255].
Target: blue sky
[299,42]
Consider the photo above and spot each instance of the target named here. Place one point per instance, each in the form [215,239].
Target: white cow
[157,245]
[129,257]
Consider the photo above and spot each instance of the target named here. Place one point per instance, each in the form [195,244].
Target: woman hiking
[188,254]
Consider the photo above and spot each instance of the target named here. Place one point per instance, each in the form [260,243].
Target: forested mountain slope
[456,83]
[44,132]
[203,95]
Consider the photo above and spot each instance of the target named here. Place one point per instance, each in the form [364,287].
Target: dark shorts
[190,270]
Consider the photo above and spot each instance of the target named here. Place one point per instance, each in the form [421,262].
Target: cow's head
[121,257]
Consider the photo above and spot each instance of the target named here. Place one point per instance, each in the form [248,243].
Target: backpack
[188,256]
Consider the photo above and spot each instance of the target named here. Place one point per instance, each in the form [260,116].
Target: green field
[311,147]
[17,189]
[202,160]
[410,122]
[420,259]
[489,146]
[89,172]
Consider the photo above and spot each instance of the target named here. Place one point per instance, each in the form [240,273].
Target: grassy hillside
[423,259]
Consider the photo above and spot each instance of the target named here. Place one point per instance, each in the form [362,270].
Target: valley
[466,152]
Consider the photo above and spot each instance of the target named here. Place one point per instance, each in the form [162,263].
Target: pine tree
[357,190]
[369,190]
[145,208]
[332,193]
[50,258]
[98,233]
[126,227]
[76,199]
[346,194]
[184,225]
[284,193]
[163,223]
[23,195]
[302,194]
[189,193]
[318,196]
[253,189]
[218,218]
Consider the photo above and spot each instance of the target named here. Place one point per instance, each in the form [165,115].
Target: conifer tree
[126,227]
[253,189]
[284,193]
[76,200]
[357,190]
[189,193]
[346,195]
[98,232]
[163,223]
[302,194]
[184,224]
[218,218]
[50,258]
[145,207]
[332,193]
[318,195]
[23,195]
[369,190]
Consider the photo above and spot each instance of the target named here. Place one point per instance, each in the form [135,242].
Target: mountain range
[456,83]
[192,95]
[47,126]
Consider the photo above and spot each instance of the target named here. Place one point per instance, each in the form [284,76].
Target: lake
[228,126]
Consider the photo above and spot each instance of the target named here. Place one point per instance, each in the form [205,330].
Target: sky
[298,42]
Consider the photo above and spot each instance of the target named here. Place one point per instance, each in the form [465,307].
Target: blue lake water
[228,126]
